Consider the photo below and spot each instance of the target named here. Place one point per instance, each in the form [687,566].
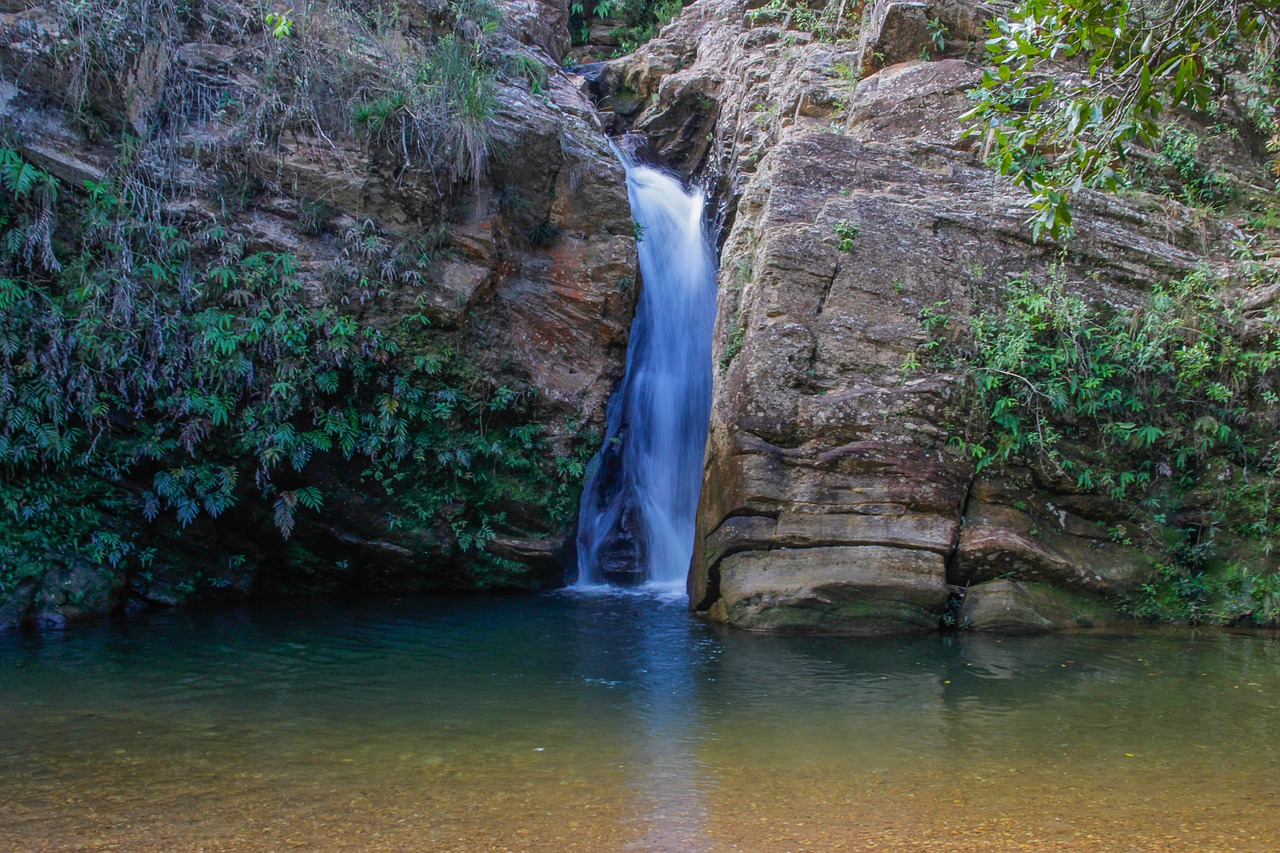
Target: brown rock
[914,100]
[856,209]
[903,30]
[846,590]
[1052,547]
[451,290]
[1016,607]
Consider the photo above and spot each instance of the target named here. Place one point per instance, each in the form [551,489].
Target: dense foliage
[1170,407]
[147,372]
[1079,87]
[630,23]
[161,367]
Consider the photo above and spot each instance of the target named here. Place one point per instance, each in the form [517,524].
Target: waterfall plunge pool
[614,722]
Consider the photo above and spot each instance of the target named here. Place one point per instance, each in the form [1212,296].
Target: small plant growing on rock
[938,33]
[314,216]
[847,231]
[543,233]
[737,337]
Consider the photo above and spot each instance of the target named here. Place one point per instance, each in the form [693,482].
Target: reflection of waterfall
[655,679]
[636,522]
[669,780]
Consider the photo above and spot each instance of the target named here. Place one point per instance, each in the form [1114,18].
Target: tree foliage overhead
[1119,68]
[630,22]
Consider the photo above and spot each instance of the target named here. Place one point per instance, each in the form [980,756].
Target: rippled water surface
[598,723]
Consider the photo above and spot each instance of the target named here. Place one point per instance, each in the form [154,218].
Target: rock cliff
[856,211]
[833,500]
[519,263]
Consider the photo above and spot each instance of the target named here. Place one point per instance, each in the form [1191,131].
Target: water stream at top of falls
[640,499]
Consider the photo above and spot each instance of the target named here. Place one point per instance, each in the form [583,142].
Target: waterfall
[640,499]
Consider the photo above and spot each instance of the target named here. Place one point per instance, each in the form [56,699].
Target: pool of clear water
[616,722]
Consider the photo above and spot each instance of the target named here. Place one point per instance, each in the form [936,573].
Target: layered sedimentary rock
[1020,607]
[832,499]
[855,208]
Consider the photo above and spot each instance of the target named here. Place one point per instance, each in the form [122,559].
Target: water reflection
[657,681]
[603,723]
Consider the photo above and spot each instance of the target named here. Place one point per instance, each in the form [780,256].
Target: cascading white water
[636,521]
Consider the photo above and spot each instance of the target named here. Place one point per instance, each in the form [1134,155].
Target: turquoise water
[602,723]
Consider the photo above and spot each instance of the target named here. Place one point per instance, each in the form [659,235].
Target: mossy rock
[1018,607]
[810,616]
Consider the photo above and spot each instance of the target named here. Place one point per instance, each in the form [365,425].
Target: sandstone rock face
[720,86]
[846,589]
[1019,607]
[899,31]
[532,277]
[815,425]
[1004,537]
[832,499]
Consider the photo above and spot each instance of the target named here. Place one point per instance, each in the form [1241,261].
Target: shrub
[149,372]
[1152,405]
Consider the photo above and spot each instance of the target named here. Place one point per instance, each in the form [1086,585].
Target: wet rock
[75,590]
[1018,607]
[16,605]
[544,556]
[860,590]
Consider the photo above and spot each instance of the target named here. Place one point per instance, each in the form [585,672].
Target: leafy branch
[1076,83]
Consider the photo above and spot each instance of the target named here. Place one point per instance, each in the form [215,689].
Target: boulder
[858,590]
